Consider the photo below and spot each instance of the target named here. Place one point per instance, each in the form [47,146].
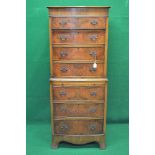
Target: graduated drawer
[78,92]
[78,70]
[78,110]
[78,36]
[81,53]
[78,127]
[78,23]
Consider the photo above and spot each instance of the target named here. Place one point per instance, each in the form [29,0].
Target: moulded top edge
[78,6]
[78,79]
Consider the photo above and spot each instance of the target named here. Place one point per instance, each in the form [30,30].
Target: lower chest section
[78,108]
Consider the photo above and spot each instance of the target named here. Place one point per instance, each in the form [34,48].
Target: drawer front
[78,23]
[78,127]
[78,110]
[78,70]
[60,53]
[78,93]
[78,36]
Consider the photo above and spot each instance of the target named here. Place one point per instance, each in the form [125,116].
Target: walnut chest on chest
[78,67]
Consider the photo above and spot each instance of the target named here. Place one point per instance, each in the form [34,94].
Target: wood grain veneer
[78,91]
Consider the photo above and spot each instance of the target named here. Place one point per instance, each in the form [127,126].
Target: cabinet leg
[102,146]
[54,145]
[55,142]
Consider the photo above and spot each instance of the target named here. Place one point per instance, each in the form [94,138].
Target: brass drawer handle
[93,37]
[92,69]
[63,53]
[93,93]
[64,69]
[63,22]
[62,93]
[92,127]
[94,22]
[93,53]
[63,37]
[92,110]
[64,126]
[63,109]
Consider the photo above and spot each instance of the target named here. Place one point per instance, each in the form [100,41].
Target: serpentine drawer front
[78,23]
[78,70]
[78,92]
[81,109]
[78,74]
[70,53]
[78,36]
[86,127]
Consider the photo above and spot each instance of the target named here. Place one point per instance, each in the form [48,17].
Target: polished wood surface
[80,109]
[78,53]
[78,23]
[78,11]
[78,127]
[78,70]
[78,91]
[78,7]
[78,80]
[78,36]
[79,139]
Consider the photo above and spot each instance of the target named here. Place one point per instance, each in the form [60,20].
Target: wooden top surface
[78,79]
[78,6]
